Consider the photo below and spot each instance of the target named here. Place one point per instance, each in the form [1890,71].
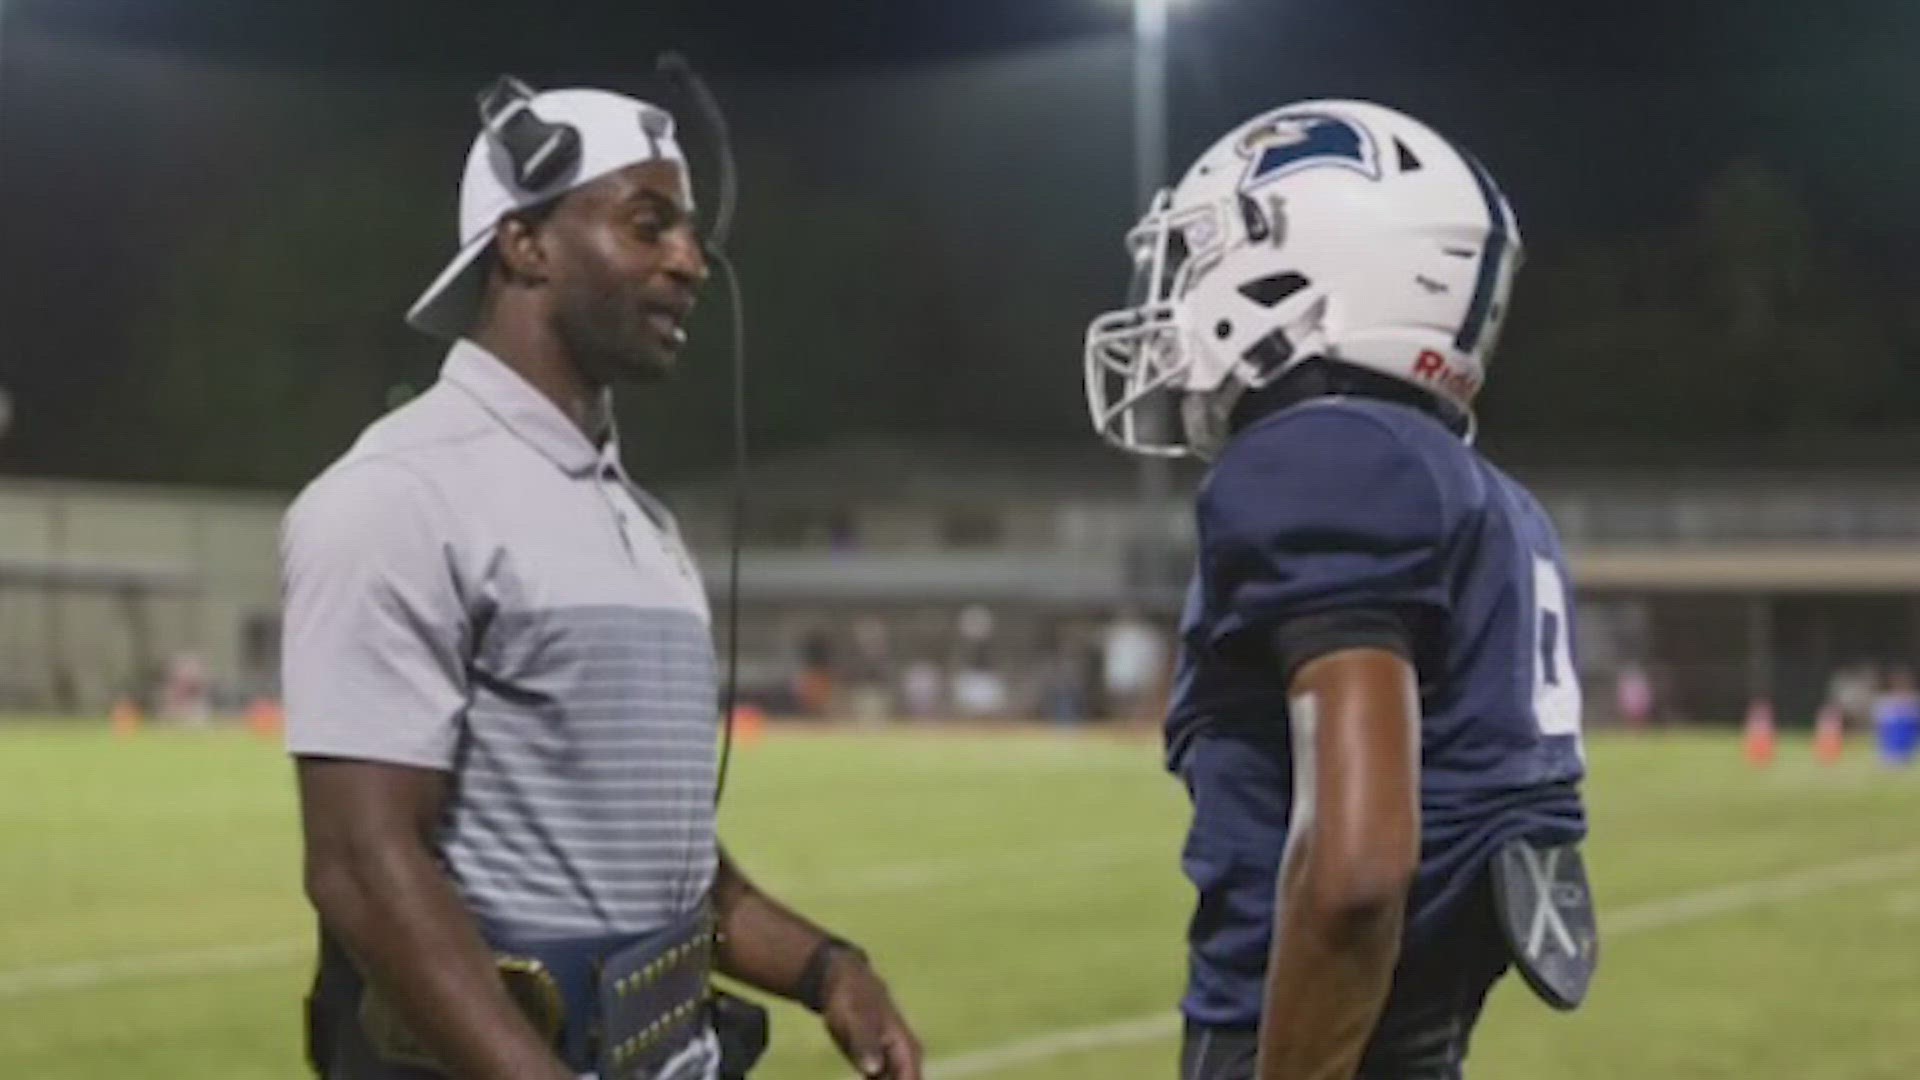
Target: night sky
[980,149]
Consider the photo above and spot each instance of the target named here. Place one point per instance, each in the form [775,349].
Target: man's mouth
[670,325]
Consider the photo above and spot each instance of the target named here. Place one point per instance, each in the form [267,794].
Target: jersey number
[1556,685]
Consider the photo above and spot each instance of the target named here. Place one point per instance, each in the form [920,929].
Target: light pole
[3,50]
[1154,481]
[6,398]
[1149,98]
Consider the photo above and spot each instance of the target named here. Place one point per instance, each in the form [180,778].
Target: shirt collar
[529,414]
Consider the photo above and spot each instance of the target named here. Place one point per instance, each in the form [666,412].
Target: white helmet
[1336,229]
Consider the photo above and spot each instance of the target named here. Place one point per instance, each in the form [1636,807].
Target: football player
[1377,713]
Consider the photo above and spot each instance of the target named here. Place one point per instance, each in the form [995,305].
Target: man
[499,675]
[1376,713]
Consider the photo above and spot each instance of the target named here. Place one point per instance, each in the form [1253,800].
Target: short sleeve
[374,630]
[1319,510]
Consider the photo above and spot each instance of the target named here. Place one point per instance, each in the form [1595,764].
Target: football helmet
[1334,229]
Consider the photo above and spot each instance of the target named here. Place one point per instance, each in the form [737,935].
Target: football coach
[500,683]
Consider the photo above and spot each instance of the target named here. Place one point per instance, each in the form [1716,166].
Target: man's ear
[522,248]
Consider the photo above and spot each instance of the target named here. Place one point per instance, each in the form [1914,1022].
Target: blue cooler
[1896,720]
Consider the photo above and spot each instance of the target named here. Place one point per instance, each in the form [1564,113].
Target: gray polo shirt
[477,588]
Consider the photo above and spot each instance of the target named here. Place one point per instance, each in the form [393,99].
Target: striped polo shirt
[477,588]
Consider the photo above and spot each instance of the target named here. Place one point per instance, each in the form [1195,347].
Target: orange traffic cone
[264,718]
[125,718]
[749,724]
[1829,735]
[1760,737]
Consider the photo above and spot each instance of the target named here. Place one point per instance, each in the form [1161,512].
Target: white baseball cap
[614,131]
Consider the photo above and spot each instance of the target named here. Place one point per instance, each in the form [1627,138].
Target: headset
[543,154]
[540,152]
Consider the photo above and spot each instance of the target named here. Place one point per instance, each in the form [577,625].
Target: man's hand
[767,945]
[864,1022]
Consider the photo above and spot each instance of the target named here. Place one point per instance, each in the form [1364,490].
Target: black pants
[1437,994]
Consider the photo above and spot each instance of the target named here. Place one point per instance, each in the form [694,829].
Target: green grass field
[1761,926]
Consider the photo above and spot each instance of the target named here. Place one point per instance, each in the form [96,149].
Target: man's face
[626,270]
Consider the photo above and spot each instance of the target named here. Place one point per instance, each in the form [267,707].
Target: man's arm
[767,945]
[372,876]
[1352,852]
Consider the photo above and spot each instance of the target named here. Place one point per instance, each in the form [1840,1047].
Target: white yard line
[230,959]
[1635,919]
[1146,1029]
[1692,907]
[84,974]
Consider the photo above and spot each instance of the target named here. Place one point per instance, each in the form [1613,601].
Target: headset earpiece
[540,153]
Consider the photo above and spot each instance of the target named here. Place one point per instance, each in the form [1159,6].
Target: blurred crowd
[1064,670]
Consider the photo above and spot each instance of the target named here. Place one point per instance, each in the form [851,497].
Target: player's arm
[1323,533]
[1350,859]
[768,945]
[372,876]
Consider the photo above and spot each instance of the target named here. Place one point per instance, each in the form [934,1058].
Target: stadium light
[1168,5]
[3,66]
[1154,481]
[1149,98]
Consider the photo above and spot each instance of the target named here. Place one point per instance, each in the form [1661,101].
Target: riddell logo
[1433,367]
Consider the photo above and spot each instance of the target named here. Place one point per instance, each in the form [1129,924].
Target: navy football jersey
[1344,503]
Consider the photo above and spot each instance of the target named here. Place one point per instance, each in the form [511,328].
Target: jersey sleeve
[375,632]
[1319,513]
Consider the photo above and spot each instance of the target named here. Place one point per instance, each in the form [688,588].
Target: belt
[620,1006]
